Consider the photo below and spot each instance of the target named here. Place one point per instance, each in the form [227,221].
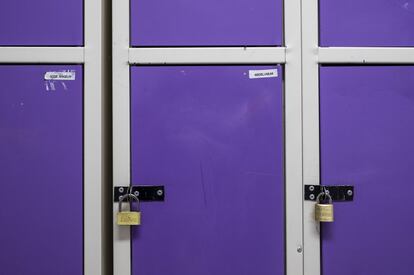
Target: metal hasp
[337,192]
[143,193]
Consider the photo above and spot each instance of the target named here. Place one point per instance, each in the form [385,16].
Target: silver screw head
[121,189]
[312,196]
[160,192]
[350,193]
[311,188]
[136,193]
[299,249]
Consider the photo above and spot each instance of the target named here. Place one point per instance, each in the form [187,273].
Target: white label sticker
[262,73]
[65,75]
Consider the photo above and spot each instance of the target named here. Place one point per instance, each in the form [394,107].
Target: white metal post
[121,130]
[293,137]
[310,82]
[93,68]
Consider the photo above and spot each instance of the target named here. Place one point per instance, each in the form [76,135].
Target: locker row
[365,23]
[213,136]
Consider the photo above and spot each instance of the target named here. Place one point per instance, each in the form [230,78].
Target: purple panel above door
[375,23]
[41,23]
[367,140]
[206,23]
[41,171]
[214,139]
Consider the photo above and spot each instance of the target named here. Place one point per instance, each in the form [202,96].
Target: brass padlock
[128,217]
[324,212]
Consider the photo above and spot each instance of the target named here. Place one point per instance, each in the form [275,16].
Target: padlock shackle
[123,197]
[325,194]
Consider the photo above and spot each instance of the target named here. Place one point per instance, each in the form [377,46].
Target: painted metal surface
[41,23]
[367,135]
[367,23]
[41,175]
[206,23]
[213,137]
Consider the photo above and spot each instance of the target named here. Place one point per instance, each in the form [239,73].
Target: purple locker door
[41,22]
[367,140]
[206,23]
[214,139]
[387,23]
[41,171]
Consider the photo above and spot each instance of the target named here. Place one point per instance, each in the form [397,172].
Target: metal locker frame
[301,57]
[289,56]
[313,56]
[90,55]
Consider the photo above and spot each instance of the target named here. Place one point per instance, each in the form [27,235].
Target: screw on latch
[350,193]
[312,196]
[160,192]
[311,188]
[121,189]
[299,249]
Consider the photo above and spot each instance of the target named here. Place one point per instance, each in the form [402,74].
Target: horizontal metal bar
[337,192]
[143,192]
[208,55]
[42,55]
[355,55]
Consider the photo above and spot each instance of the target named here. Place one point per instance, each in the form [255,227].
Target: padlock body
[129,218]
[324,212]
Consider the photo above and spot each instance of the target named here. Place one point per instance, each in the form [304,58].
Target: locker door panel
[41,23]
[206,23]
[41,171]
[367,23]
[367,135]
[213,137]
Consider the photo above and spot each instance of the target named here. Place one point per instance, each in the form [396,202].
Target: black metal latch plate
[143,192]
[337,192]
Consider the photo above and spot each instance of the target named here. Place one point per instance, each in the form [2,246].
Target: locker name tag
[69,75]
[262,73]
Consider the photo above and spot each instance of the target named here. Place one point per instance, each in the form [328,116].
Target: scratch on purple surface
[203,188]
